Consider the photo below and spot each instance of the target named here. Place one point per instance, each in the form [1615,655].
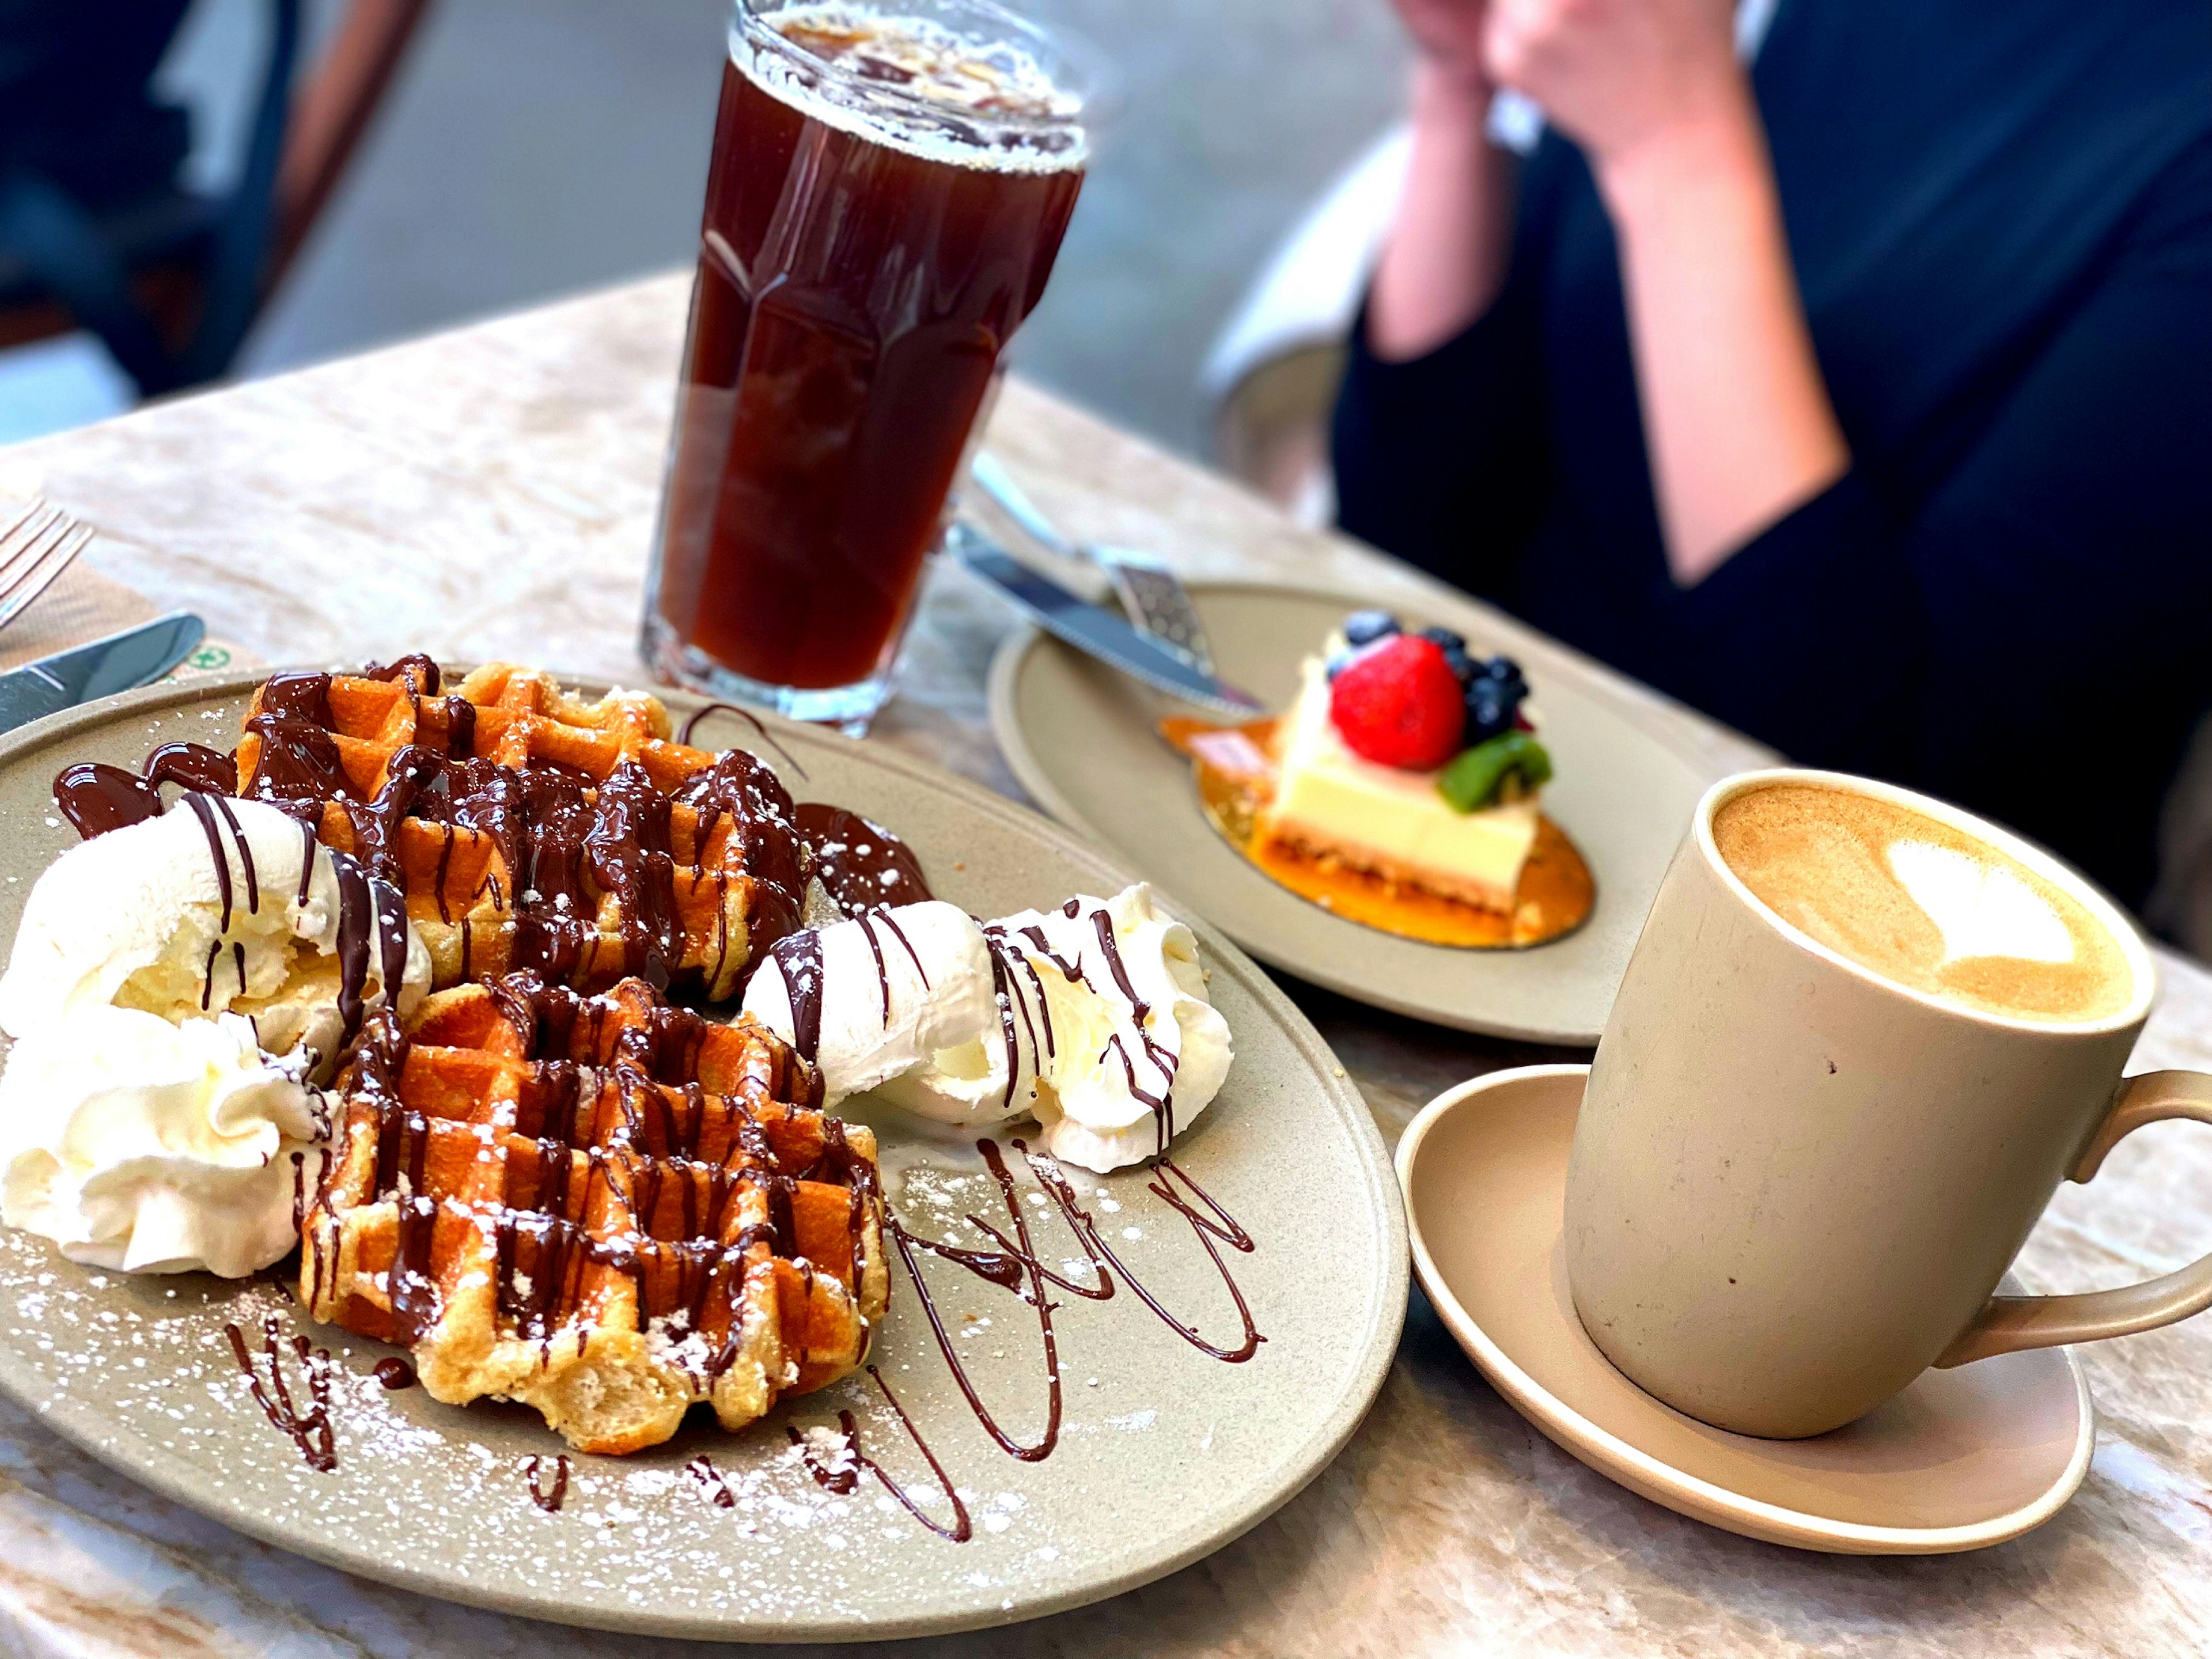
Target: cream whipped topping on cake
[1394,821]
[1091,1017]
[176,991]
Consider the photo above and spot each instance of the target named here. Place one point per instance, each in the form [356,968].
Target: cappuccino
[1922,904]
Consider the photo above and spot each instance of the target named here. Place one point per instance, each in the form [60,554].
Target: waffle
[530,830]
[605,1207]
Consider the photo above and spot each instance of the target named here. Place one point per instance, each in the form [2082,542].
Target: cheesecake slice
[1332,804]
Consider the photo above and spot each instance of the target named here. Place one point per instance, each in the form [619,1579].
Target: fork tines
[37,545]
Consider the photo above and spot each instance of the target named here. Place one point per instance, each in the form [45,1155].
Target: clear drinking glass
[890,182]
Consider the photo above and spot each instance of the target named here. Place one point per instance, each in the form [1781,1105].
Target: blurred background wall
[532,148]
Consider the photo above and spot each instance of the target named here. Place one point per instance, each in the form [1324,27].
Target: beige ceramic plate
[1962,1459]
[1080,739]
[1165,1453]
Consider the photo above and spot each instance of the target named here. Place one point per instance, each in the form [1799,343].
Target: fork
[1153,596]
[36,546]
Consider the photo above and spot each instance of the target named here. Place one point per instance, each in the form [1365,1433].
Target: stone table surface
[489,492]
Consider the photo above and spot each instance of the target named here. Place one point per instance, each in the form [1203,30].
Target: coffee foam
[989,85]
[1921,904]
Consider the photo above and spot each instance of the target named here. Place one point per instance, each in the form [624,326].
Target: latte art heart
[1982,909]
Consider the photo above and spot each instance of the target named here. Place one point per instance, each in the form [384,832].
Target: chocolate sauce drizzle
[861,866]
[394,1372]
[713,1485]
[96,798]
[799,958]
[749,718]
[548,1499]
[846,1481]
[310,1430]
[1016,1267]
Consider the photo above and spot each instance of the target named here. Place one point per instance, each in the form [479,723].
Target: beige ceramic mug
[1796,1183]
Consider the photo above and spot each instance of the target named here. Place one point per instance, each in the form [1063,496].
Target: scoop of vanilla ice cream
[1026,1016]
[165,1055]
[897,986]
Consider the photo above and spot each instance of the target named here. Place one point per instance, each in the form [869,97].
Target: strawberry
[1399,704]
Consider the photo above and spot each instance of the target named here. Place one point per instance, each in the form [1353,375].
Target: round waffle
[604,1207]
[531,829]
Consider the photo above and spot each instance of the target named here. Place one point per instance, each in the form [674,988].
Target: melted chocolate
[548,1499]
[310,1430]
[750,718]
[800,956]
[860,865]
[848,1479]
[395,1373]
[96,798]
[713,1485]
[420,671]
[1218,1224]
[1016,1267]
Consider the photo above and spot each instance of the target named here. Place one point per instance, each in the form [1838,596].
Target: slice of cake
[1406,757]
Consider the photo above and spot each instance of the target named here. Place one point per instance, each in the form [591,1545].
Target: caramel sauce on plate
[1236,781]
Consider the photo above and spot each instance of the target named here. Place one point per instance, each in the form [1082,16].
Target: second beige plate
[1164,1453]
[1962,1459]
[1080,737]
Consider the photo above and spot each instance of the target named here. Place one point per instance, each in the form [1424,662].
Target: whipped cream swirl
[177,990]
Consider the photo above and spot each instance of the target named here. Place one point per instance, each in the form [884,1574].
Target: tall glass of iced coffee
[890,182]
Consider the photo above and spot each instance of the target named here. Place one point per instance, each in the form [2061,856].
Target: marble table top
[489,492]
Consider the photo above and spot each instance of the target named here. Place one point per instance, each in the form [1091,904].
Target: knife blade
[121,662]
[1090,629]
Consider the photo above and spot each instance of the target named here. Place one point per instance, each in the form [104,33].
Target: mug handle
[2009,1323]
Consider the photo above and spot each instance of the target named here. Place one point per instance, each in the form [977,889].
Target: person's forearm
[1738,424]
[1446,254]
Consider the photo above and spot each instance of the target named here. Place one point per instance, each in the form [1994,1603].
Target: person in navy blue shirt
[1862,398]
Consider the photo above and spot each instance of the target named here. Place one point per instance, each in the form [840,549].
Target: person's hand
[1450,34]
[1613,73]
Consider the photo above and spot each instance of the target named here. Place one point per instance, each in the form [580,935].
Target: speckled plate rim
[1145,1560]
[1659,1481]
[1007,727]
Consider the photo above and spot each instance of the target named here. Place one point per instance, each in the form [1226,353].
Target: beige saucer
[1961,1459]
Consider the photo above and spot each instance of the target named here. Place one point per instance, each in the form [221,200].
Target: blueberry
[1365,627]
[1490,707]
[1339,661]
[1443,637]
[1500,668]
[1462,664]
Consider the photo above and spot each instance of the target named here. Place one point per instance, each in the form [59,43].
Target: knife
[1090,628]
[121,662]
[1152,595]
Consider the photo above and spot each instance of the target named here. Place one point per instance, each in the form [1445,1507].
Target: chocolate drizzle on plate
[310,1430]
[1016,1267]
[394,1372]
[713,1485]
[96,798]
[844,1478]
[547,1498]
